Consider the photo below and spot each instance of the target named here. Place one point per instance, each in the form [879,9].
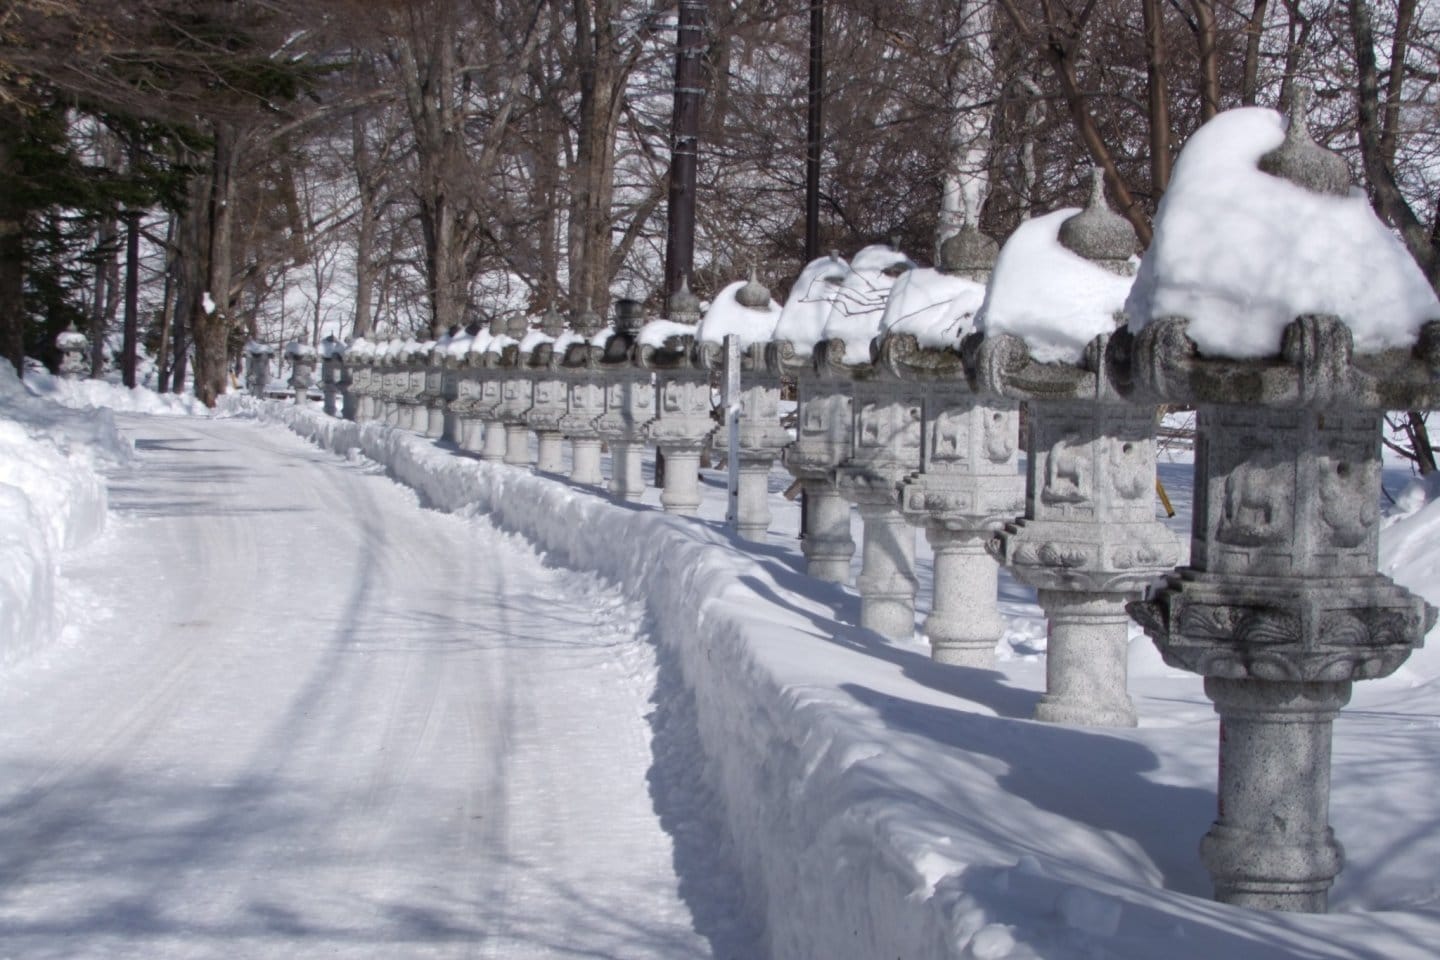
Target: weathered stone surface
[969,254]
[1088,541]
[1281,606]
[1300,159]
[680,429]
[1271,846]
[1099,234]
[629,406]
[885,442]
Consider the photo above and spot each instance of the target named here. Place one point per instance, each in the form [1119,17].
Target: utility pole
[814,129]
[685,136]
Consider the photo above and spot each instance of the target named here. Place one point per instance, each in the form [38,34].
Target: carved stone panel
[1287,492]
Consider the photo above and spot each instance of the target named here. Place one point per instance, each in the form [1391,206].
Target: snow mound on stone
[1242,253]
[860,300]
[935,308]
[727,317]
[802,321]
[1050,297]
[656,332]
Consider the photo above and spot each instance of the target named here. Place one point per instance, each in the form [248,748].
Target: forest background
[202,172]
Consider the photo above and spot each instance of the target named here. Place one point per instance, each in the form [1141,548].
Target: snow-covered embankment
[773,754]
[51,500]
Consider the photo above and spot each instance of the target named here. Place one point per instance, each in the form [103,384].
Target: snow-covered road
[299,716]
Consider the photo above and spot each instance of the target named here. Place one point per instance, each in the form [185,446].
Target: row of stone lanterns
[1280,607]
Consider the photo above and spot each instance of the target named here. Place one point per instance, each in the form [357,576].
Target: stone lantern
[1281,606]
[430,400]
[333,378]
[822,418]
[967,487]
[360,358]
[73,346]
[629,403]
[822,442]
[885,440]
[516,391]
[302,368]
[393,378]
[584,399]
[760,435]
[257,367]
[1089,541]
[465,429]
[491,389]
[414,361]
[548,393]
[682,423]
[355,380]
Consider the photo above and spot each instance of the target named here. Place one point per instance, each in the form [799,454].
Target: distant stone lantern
[302,368]
[759,436]
[1089,541]
[332,371]
[257,367]
[548,394]
[517,392]
[73,346]
[682,423]
[629,402]
[584,399]
[1281,607]
[967,486]
[822,421]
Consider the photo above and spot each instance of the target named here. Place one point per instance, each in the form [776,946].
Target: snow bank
[874,813]
[103,395]
[51,500]
[1050,297]
[1242,253]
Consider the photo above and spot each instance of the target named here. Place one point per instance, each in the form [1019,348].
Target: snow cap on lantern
[743,309]
[1049,292]
[859,302]
[1259,227]
[934,307]
[802,320]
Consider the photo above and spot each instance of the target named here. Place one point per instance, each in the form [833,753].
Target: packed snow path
[301,716]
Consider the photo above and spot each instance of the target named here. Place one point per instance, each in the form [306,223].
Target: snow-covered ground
[273,746]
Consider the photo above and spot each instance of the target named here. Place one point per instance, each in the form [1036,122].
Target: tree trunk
[12,242]
[1420,439]
[972,93]
[167,309]
[1385,196]
[102,294]
[365,181]
[1159,97]
[212,327]
[1206,40]
[1254,32]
